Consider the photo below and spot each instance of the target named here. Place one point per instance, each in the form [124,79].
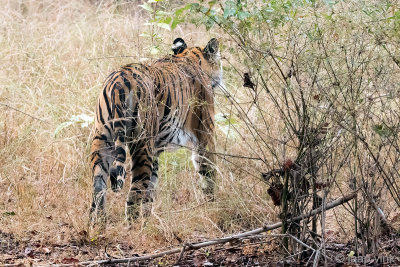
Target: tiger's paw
[132,211]
[207,187]
[117,177]
[97,220]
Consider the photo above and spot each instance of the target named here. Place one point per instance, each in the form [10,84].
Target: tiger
[150,108]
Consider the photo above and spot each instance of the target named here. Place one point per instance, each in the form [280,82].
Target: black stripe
[126,82]
[143,163]
[120,138]
[110,77]
[134,116]
[138,89]
[120,113]
[101,115]
[113,102]
[145,185]
[121,94]
[121,156]
[99,162]
[106,100]
[94,154]
[119,124]
[140,177]
[155,168]
[167,111]
[107,128]
[100,137]
[198,56]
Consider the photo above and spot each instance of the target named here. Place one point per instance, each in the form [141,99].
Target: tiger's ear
[211,51]
[178,46]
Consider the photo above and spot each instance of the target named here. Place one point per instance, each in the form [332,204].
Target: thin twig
[316,259]
[184,248]
[108,57]
[33,117]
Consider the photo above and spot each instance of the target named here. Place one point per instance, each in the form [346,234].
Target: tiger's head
[209,58]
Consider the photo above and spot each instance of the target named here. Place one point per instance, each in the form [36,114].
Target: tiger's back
[149,108]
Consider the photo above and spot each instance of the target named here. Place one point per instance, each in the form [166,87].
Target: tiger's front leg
[144,176]
[204,162]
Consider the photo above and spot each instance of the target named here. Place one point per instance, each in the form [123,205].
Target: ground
[261,250]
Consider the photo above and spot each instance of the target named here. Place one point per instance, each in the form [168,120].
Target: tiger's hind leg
[117,170]
[144,175]
[101,160]
[108,160]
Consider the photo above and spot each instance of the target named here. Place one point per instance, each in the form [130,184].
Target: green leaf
[209,23]
[147,7]
[242,15]
[145,34]
[164,26]
[175,23]
[154,50]
[195,7]
[225,120]
[382,130]
[163,19]
[225,123]
[179,11]
[229,9]
[162,13]
[330,2]
[211,3]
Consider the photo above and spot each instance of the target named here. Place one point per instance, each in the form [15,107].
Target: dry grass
[54,59]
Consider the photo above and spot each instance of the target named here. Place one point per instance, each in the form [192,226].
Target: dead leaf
[46,250]
[182,196]
[275,191]
[83,233]
[248,250]
[69,260]
[288,164]
[33,232]
[247,81]
[28,252]
[232,258]
[199,260]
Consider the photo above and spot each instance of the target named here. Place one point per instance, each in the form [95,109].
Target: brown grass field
[55,56]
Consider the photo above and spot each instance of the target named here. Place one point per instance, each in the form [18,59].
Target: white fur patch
[178,44]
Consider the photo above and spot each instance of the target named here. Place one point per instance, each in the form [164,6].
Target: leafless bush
[325,115]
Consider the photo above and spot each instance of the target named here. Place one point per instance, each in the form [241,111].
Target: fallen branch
[188,247]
